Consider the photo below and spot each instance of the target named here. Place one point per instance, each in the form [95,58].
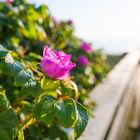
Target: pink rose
[82,60]
[56,65]
[70,21]
[86,47]
[53,18]
[9,1]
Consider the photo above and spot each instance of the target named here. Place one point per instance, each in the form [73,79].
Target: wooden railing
[114,97]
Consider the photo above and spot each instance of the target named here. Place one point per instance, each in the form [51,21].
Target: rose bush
[37,93]
[29,28]
[36,103]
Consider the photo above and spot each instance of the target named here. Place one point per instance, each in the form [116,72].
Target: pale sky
[100,20]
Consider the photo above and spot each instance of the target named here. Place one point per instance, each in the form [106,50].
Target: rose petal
[56,65]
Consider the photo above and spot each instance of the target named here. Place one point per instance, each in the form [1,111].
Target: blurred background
[113,25]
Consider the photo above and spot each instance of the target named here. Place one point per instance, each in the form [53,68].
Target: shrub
[33,101]
[37,103]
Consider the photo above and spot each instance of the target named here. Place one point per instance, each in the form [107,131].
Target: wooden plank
[118,125]
[136,121]
[108,95]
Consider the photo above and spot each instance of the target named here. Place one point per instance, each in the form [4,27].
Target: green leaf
[3,135]
[27,107]
[82,121]
[10,66]
[8,125]
[22,78]
[3,51]
[49,84]
[8,119]
[12,69]
[4,103]
[34,56]
[56,132]
[31,88]
[45,111]
[66,112]
[8,134]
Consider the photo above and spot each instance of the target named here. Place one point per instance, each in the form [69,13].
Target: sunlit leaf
[81,122]
[31,88]
[3,51]
[66,112]
[45,111]
[12,69]
[4,102]
[22,78]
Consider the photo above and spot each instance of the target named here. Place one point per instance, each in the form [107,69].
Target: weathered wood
[108,96]
[120,120]
[136,121]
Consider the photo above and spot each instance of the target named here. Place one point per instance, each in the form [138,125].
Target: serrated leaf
[45,111]
[22,78]
[12,69]
[66,112]
[31,88]
[82,121]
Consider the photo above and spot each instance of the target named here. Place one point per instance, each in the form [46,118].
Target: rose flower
[56,65]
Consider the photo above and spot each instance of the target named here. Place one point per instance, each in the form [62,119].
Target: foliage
[42,107]
[35,99]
